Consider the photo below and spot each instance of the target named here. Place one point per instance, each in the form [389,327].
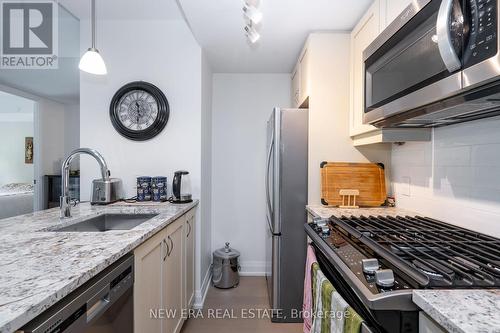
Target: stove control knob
[325,230]
[320,222]
[370,266]
[384,278]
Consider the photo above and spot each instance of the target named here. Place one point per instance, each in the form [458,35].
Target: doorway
[18,193]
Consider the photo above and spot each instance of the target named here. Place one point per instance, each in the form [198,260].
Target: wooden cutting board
[368,178]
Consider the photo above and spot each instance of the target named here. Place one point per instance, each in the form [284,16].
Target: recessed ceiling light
[252,35]
[252,13]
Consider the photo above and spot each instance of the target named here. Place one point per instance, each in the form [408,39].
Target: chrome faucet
[65,200]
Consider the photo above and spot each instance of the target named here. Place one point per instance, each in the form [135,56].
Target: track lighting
[252,34]
[252,13]
[253,16]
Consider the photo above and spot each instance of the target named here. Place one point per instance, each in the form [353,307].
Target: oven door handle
[446,49]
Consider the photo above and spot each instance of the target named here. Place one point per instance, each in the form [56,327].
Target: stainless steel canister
[225,268]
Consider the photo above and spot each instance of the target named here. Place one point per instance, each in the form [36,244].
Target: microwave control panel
[482,32]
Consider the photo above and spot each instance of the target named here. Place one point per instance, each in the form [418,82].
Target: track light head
[252,13]
[252,34]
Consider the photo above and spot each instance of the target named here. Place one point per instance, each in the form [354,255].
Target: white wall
[164,53]
[205,231]
[72,132]
[16,123]
[329,138]
[12,138]
[455,178]
[51,122]
[242,104]
[172,63]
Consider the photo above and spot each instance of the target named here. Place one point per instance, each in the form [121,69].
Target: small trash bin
[225,268]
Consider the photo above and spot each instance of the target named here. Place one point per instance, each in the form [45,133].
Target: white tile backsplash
[452,156]
[455,178]
[486,155]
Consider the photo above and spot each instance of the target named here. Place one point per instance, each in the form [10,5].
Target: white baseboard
[200,295]
[252,268]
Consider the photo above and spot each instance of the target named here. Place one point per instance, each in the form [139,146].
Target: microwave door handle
[446,49]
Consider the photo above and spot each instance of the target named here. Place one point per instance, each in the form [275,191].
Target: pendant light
[92,62]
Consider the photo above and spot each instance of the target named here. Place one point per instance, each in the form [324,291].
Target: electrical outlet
[404,186]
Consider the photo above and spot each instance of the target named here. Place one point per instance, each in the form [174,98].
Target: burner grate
[433,253]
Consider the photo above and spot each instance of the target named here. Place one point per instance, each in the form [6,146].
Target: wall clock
[139,111]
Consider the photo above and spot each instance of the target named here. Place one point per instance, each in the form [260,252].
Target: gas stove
[376,262]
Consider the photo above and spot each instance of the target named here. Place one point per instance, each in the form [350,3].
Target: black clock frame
[159,123]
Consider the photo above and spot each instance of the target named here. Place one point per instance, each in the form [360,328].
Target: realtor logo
[29,34]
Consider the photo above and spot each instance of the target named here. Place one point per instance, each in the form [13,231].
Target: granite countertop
[39,267]
[328,211]
[462,311]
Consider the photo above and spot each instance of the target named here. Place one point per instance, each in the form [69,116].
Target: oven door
[416,60]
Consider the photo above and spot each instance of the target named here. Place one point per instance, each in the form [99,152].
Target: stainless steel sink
[107,222]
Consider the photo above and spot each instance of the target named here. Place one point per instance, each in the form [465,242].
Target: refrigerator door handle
[271,229]
[268,165]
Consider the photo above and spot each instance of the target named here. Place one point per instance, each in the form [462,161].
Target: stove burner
[431,253]
[434,269]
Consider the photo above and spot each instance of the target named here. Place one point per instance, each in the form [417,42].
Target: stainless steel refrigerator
[286,198]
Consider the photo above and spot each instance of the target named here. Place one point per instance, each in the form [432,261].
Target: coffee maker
[181,187]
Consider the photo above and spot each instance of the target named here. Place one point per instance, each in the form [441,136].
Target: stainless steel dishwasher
[102,305]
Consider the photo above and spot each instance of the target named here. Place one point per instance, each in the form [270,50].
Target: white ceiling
[218,27]
[125,9]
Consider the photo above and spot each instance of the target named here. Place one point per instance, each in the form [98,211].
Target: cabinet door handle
[167,252]
[171,248]
[189,231]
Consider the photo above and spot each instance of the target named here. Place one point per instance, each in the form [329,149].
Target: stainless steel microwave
[437,64]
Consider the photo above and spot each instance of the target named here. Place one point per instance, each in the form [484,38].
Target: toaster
[106,191]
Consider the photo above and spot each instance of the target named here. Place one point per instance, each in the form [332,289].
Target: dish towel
[318,302]
[308,299]
[352,321]
[314,273]
[326,299]
[338,313]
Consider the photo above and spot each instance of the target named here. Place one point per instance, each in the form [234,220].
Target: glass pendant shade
[92,62]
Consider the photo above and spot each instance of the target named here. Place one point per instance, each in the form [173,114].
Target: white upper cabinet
[301,80]
[362,35]
[296,85]
[304,76]
[391,9]
[380,14]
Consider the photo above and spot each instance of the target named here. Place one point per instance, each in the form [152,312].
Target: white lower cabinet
[164,278]
[173,276]
[189,266]
[148,262]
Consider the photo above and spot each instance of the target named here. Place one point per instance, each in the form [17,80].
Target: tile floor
[235,307]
